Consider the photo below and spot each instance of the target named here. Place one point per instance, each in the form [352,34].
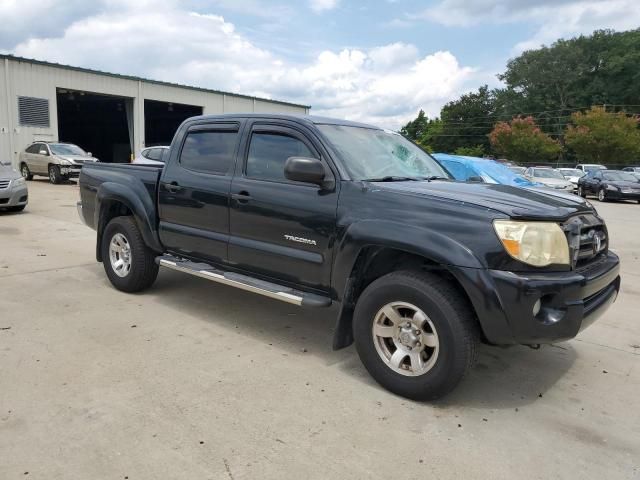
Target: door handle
[242,197]
[173,187]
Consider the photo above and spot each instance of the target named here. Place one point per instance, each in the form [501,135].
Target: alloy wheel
[405,339]
[120,255]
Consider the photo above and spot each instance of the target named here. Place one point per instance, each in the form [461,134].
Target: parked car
[152,156]
[549,177]
[57,160]
[631,169]
[334,214]
[587,167]
[610,185]
[517,170]
[572,174]
[475,169]
[14,195]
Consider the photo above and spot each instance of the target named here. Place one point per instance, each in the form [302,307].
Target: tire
[142,270]
[26,173]
[54,174]
[581,192]
[449,355]
[602,195]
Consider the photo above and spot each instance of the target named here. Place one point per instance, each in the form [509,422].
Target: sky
[373,61]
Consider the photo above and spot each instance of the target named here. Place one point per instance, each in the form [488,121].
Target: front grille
[588,240]
[4,184]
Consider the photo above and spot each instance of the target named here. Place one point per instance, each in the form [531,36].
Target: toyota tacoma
[418,269]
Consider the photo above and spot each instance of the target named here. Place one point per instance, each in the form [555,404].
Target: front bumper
[72,171]
[14,196]
[623,195]
[569,301]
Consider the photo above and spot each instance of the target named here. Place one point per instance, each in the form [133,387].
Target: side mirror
[305,169]
[43,152]
[475,179]
[89,154]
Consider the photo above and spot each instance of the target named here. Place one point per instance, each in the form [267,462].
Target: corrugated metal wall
[23,78]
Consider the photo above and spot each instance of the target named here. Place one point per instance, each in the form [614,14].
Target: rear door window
[209,151]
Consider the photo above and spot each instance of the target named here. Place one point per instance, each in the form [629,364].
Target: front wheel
[415,333]
[54,174]
[128,262]
[581,192]
[602,195]
[26,173]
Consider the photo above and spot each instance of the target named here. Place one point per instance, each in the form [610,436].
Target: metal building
[108,114]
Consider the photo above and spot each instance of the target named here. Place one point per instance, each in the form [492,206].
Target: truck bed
[142,179]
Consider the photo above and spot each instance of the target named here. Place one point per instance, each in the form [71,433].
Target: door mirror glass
[304,169]
[89,154]
[43,152]
[475,179]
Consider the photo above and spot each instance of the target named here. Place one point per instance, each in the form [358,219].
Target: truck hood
[78,158]
[515,202]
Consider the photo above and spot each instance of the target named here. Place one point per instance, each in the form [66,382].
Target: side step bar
[243,282]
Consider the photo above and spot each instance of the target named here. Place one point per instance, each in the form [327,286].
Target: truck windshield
[66,149]
[371,154]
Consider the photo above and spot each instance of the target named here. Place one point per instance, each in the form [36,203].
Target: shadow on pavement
[501,378]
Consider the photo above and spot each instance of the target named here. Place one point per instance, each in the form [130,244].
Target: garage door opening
[100,124]
[162,119]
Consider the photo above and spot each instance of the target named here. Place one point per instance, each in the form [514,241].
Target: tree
[598,136]
[475,151]
[414,129]
[521,140]
[553,81]
[466,121]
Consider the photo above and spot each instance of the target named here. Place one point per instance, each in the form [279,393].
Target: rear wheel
[54,174]
[26,173]
[415,333]
[128,262]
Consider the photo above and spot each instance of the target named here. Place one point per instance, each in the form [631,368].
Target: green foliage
[466,122]
[598,136]
[475,151]
[415,128]
[521,140]
[549,83]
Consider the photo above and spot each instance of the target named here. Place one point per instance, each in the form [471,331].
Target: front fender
[140,203]
[426,243]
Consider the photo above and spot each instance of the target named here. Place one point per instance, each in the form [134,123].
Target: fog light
[536,307]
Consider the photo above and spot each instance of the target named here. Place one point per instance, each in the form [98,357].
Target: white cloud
[322,5]
[554,18]
[385,85]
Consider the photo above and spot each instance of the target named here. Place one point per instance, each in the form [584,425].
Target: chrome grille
[588,239]
[4,184]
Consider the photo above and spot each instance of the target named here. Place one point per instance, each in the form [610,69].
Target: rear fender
[142,208]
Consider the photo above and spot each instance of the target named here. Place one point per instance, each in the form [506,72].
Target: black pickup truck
[417,268]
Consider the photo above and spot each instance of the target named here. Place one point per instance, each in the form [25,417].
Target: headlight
[64,161]
[18,181]
[612,187]
[535,243]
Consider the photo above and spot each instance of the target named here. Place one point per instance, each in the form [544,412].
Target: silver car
[13,189]
[549,177]
[56,160]
[152,156]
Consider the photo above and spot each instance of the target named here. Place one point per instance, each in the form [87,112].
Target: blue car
[474,169]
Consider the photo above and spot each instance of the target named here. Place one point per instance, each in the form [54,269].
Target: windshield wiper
[393,178]
[435,177]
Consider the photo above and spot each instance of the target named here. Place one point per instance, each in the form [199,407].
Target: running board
[243,282]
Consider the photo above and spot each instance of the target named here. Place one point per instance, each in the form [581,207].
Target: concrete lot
[199,381]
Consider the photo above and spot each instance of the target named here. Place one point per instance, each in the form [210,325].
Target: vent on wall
[33,112]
